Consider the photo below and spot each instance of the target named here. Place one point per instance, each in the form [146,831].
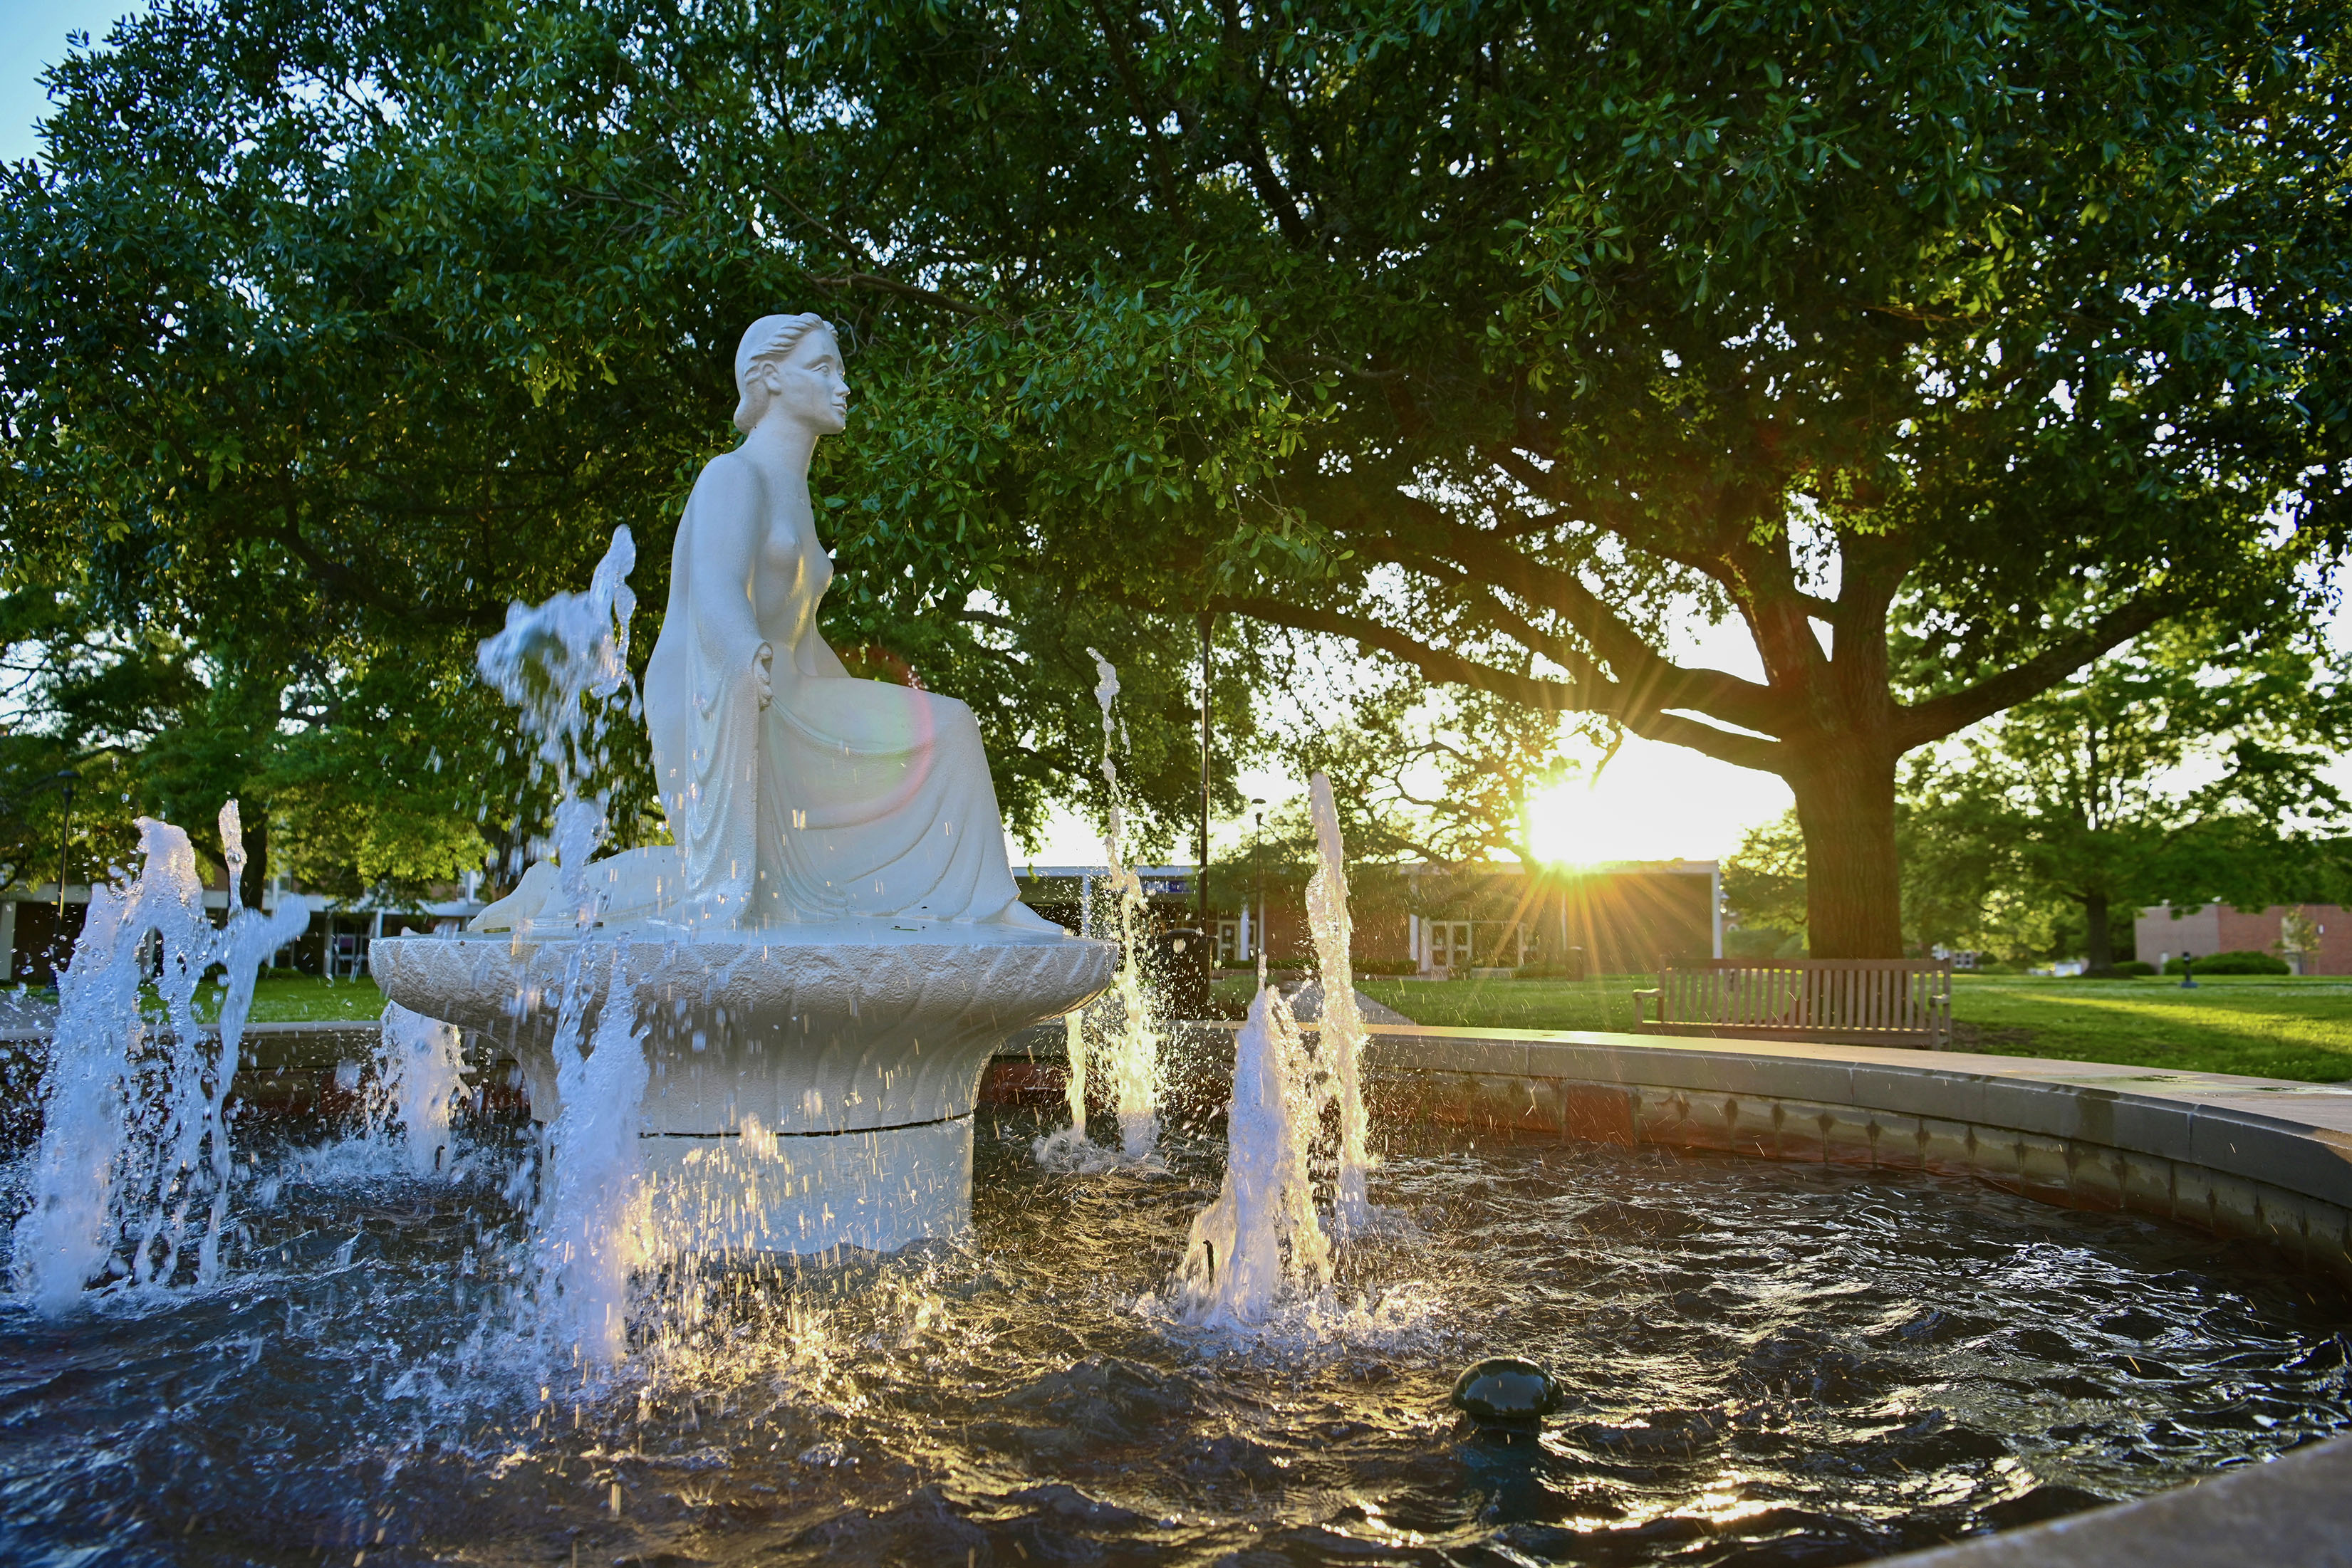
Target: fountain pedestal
[809,1085]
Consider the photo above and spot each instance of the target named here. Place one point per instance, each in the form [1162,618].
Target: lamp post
[1257,868]
[1208,932]
[65,837]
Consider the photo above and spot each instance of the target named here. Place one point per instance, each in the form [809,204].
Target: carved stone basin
[810,1085]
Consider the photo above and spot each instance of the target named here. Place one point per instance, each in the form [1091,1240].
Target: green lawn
[2271,1026]
[2267,1026]
[285,997]
[1603,1003]
[282,997]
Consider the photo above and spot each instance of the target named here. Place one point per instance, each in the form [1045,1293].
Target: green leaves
[2190,770]
[1493,337]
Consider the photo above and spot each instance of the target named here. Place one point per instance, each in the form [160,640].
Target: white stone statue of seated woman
[795,791]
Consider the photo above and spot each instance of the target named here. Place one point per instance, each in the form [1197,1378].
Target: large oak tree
[1946,347]
[325,331]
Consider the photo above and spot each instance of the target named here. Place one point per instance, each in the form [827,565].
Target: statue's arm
[724,558]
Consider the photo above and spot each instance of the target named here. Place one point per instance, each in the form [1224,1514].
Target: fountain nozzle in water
[1505,1394]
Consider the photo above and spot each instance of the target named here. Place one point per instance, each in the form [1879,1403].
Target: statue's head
[792,363]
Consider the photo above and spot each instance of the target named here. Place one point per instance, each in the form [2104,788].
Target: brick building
[2324,932]
[1622,917]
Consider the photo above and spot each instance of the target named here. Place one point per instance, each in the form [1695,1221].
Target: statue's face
[809,384]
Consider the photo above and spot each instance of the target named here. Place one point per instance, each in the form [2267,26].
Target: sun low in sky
[1651,802]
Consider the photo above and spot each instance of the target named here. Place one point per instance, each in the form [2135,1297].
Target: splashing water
[1260,1248]
[589,1219]
[561,663]
[421,1069]
[1131,1037]
[1260,1245]
[1341,1041]
[1133,1042]
[1074,1030]
[134,1136]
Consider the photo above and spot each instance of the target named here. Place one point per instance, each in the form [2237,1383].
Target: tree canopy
[1945,347]
[318,349]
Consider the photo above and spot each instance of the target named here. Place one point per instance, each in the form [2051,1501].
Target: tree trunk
[256,859]
[2098,938]
[1853,894]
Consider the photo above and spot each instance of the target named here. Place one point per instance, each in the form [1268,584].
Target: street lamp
[65,837]
[1257,868]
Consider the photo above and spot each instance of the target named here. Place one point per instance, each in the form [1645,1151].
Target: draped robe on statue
[842,797]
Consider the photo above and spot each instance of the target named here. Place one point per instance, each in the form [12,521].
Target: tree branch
[875,280]
[1609,699]
[1123,60]
[1939,716]
[1653,680]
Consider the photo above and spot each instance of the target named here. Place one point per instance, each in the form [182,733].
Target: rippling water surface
[1777,1364]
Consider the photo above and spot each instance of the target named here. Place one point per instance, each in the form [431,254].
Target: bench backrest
[1893,995]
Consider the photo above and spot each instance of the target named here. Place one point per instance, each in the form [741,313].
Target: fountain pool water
[1770,1363]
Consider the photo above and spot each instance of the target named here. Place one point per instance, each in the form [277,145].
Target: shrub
[1384,967]
[2135,967]
[2235,963]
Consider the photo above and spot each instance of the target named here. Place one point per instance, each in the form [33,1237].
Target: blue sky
[33,35]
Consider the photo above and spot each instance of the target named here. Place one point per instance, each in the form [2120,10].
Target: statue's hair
[769,341]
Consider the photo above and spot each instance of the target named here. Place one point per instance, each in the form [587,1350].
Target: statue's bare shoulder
[731,497]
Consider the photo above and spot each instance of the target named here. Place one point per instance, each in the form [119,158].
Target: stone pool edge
[2260,1158]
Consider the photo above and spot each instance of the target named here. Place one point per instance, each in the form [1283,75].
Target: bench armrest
[1642,1008]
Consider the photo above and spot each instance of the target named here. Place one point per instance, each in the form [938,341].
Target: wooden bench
[1842,1001]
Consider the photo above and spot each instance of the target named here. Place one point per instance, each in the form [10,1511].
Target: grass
[1606,1002]
[281,996]
[285,997]
[1603,1002]
[2267,1026]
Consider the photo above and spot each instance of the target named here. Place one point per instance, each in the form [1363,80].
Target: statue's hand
[763,672]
